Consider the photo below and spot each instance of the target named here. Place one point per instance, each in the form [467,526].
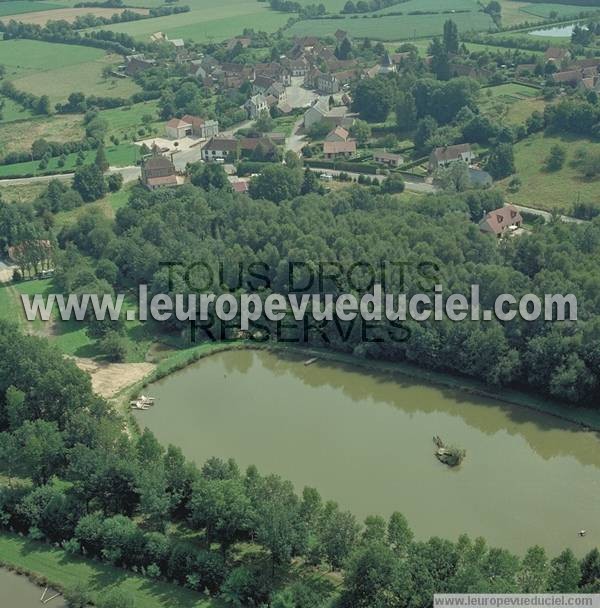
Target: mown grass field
[391,27]
[57,70]
[123,155]
[431,5]
[208,20]
[24,57]
[66,570]
[551,190]
[19,7]
[58,128]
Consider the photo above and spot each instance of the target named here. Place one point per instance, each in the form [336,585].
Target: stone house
[442,157]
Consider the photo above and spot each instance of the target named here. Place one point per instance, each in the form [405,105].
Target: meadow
[56,70]
[59,128]
[208,21]
[19,7]
[392,27]
[551,189]
[124,122]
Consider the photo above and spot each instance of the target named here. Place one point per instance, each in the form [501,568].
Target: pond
[19,592]
[364,439]
[558,31]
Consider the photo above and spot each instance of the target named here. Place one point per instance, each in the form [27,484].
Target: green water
[19,592]
[365,440]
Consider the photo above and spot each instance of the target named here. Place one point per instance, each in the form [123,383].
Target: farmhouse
[177,128]
[337,116]
[337,134]
[441,157]
[137,63]
[387,158]
[158,170]
[339,149]
[188,126]
[501,221]
[225,148]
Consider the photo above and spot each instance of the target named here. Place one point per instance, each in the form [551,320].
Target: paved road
[411,186]
[548,216]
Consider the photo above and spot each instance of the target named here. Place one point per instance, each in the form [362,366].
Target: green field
[57,70]
[551,190]
[208,21]
[124,122]
[122,155]
[11,111]
[431,5]
[393,27]
[66,570]
[546,10]
[18,7]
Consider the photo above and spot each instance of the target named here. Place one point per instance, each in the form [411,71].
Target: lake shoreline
[588,420]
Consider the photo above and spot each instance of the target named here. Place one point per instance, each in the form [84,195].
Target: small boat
[582,532]
[311,361]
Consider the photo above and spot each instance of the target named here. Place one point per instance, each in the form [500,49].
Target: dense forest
[75,478]
[159,236]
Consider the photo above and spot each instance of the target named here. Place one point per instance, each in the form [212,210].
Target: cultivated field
[58,128]
[208,20]
[556,189]
[66,14]
[392,27]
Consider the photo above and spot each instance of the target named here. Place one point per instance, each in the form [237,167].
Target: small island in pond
[448,454]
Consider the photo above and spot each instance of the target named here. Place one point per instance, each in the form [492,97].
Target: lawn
[123,155]
[18,7]
[59,128]
[65,570]
[551,190]
[392,27]
[208,21]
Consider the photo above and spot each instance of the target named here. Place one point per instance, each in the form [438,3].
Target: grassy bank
[45,564]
